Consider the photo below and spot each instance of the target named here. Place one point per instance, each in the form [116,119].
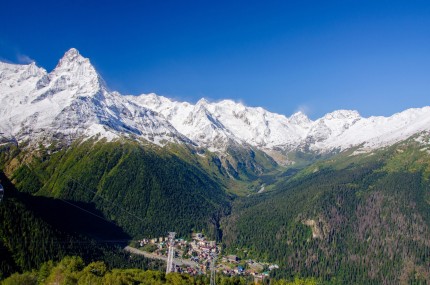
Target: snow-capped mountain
[338,130]
[73,101]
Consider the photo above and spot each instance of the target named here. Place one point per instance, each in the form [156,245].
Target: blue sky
[285,56]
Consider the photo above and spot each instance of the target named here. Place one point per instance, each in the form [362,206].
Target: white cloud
[305,109]
[24,59]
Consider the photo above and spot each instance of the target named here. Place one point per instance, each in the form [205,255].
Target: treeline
[357,225]
[73,270]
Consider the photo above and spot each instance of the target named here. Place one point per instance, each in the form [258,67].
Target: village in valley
[199,256]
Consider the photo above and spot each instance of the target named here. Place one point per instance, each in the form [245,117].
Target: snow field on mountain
[74,100]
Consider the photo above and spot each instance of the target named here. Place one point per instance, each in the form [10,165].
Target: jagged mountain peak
[73,98]
[76,72]
[13,74]
[342,114]
[72,54]
[33,70]
[202,102]
[70,58]
[258,127]
[299,118]
[71,102]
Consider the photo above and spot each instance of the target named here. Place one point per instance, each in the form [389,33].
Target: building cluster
[199,250]
[202,252]
[231,265]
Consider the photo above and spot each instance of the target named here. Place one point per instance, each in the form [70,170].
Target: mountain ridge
[73,101]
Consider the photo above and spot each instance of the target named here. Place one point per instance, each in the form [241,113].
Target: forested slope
[112,192]
[147,191]
[34,230]
[351,218]
[360,220]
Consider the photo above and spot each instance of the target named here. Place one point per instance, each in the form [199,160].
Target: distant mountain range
[73,101]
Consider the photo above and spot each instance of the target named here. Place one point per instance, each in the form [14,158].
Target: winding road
[177,261]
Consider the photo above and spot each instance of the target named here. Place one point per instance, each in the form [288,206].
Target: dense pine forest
[364,222]
[346,219]
[92,199]
[34,230]
[145,191]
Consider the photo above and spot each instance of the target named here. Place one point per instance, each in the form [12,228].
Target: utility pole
[171,253]
[213,272]
[1,193]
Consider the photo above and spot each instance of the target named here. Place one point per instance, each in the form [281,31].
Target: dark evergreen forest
[345,219]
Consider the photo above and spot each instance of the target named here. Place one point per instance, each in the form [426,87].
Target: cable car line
[98,194]
[76,206]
